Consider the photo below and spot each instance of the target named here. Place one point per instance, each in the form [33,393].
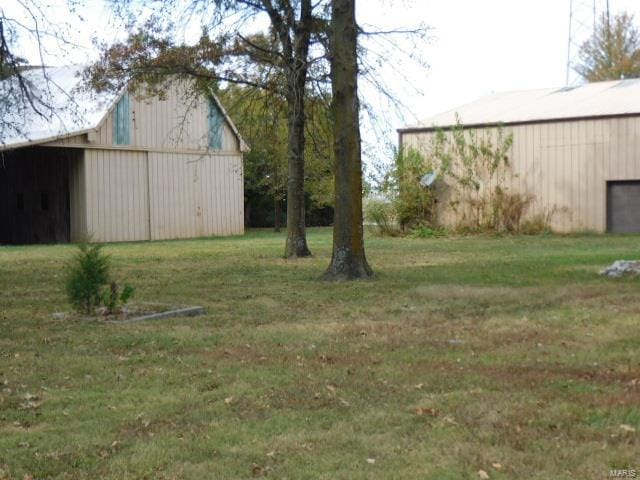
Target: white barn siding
[195,195]
[117,195]
[77,204]
[134,195]
[176,122]
[566,165]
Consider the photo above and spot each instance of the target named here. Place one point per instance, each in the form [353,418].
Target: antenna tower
[583,19]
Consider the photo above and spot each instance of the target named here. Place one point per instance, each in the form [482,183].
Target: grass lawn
[507,355]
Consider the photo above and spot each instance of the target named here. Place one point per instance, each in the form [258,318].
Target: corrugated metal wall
[566,166]
[117,195]
[77,195]
[150,196]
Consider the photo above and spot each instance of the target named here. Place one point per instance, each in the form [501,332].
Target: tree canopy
[612,52]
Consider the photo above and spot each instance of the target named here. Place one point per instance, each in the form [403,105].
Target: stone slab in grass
[137,313]
[620,268]
[179,312]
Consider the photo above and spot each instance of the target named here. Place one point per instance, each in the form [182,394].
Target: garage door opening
[34,195]
[623,206]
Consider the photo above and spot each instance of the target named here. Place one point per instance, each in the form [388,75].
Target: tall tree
[348,260]
[262,118]
[295,39]
[613,52]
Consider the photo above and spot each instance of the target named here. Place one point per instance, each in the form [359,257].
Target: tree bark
[296,245]
[277,207]
[296,53]
[348,261]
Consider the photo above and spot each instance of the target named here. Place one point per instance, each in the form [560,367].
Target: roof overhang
[472,126]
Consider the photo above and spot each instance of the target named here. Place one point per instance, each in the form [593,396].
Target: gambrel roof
[78,110]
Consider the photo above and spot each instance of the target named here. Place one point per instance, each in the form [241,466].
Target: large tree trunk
[348,261]
[296,245]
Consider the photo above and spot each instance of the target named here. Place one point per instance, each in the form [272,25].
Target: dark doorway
[34,195]
[623,206]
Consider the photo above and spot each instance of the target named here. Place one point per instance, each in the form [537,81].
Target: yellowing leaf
[483,475]
[428,412]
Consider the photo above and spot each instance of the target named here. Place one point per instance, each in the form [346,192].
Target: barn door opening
[623,206]
[34,195]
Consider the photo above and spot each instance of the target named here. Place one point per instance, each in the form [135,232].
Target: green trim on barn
[122,121]
[216,121]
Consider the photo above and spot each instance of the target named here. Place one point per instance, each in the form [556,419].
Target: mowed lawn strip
[508,355]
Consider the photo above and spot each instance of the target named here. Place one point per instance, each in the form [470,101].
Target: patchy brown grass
[461,355]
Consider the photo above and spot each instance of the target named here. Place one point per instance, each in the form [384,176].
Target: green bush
[381,214]
[87,274]
[113,299]
[428,232]
[88,282]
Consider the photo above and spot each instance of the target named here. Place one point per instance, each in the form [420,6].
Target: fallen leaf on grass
[332,388]
[257,470]
[483,475]
[627,428]
[497,466]
[228,400]
[371,461]
[427,412]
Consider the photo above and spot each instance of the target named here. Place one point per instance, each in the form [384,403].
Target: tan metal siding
[566,166]
[178,121]
[117,195]
[74,140]
[77,199]
[195,195]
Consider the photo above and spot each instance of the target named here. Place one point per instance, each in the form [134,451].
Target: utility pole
[583,20]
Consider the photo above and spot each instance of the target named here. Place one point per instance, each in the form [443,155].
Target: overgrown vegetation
[471,192]
[613,51]
[262,119]
[88,282]
[462,354]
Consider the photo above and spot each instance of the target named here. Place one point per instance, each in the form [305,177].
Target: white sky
[477,46]
[483,46]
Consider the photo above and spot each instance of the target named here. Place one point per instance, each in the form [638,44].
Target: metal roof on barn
[593,100]
[77,110]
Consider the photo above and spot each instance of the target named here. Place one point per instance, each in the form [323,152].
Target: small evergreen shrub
[87,274]
[113,299]
[88,282]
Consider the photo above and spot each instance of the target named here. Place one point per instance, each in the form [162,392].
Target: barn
[576,150]
[123,167]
